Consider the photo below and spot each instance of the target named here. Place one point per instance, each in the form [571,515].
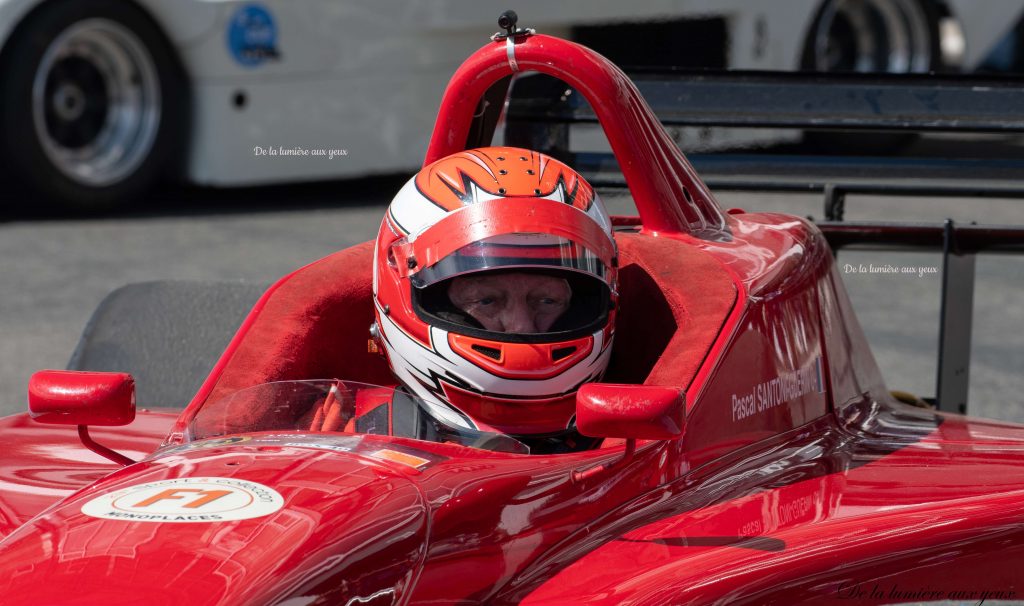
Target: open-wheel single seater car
[752,451]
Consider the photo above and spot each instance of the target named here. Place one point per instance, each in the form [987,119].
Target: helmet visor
[513,251]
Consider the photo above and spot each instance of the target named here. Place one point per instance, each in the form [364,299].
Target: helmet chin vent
[491,352]
[562,352]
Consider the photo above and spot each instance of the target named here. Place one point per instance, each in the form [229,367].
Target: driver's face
[511,302]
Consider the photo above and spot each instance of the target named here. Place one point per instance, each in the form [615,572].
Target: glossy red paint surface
[841,516]
[43,464]
[655,169]
[798,478]
[630,411]
[67,397]
[508,527]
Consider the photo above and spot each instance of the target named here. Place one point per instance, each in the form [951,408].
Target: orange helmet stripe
[495,218]
[455,181]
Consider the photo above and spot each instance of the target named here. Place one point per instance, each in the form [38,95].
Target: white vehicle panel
[383,127]
[984,24]
[365,76]
[185,22]
[354,77]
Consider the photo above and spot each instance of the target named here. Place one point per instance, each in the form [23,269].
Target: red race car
[751,452]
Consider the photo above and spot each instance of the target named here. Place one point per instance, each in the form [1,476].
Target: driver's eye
[486,301]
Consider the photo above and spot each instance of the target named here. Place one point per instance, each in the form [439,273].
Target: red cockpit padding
[673,300]
[315,324]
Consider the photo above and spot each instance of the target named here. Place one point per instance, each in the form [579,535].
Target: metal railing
[541,111]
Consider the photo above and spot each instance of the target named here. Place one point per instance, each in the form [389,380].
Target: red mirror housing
[646,412]
[67,397]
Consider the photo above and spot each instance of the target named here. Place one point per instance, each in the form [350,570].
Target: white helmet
[483,212]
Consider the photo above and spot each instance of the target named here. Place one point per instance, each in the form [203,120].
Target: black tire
[918,20]
[926,57]
[155,150]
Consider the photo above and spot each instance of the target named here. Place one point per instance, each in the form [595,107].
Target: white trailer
[101,98]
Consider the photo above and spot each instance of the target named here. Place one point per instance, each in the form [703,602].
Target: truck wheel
[94,103]
[882,36]
[876,36]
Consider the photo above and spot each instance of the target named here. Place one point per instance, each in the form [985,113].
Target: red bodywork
[797,476]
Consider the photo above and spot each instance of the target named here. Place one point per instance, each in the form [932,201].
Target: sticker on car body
[402,458]
[183,500]
[221,442]
[401,454]
[252,36]
[784,387]
[319,446]
[396,454]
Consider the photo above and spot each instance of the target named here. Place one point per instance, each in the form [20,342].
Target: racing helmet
[496,212]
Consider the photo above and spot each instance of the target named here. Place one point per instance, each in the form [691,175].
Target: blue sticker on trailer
[252,36]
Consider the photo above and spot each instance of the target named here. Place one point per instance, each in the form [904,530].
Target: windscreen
[335,407]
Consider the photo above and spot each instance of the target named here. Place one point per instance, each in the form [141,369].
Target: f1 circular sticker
[187,500]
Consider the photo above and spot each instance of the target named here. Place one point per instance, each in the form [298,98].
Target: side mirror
[67,397]
[644,412]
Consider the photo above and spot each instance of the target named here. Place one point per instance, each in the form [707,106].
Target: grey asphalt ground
[56,270]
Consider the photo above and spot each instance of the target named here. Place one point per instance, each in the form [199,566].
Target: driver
[494,287]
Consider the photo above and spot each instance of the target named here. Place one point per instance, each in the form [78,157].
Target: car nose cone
[225,526]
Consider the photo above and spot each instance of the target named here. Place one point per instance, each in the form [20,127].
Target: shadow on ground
[18,204]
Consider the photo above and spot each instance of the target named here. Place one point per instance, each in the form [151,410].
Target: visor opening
[587,312]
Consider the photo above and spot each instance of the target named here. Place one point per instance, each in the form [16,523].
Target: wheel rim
[96,102]
[873,36]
